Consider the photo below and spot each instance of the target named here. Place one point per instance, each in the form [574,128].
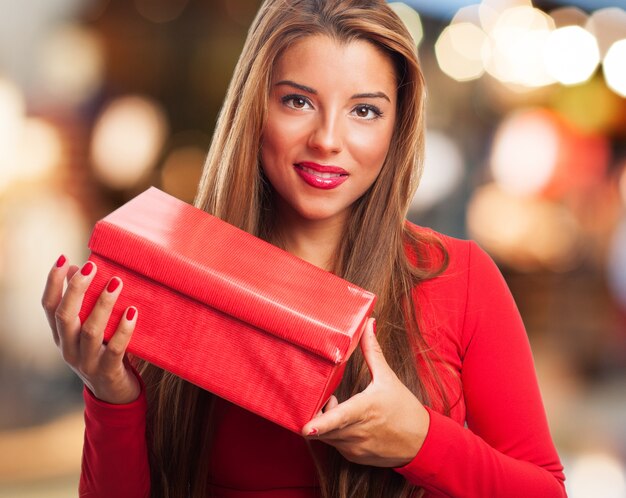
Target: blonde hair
[375,253]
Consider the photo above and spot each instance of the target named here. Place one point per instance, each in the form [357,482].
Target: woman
[318,150]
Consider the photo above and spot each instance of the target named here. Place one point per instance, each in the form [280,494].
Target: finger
[341,416]
[92,331]
[113,355]
[372,352]
[67,320]
[53,293]
[70,273]
[332,403]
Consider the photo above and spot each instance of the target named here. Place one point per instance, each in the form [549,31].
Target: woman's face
[332,108]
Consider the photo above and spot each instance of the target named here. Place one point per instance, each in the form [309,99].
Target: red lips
[323,177]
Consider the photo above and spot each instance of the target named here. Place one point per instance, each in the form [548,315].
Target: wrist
[127,393]
[418,433]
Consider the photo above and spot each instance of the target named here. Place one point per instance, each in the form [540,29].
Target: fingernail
[61,261]
[86,269]
[113,284]
[374,326]
[130,314]
[312,432]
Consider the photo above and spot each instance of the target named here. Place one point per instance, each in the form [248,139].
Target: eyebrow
[308,89]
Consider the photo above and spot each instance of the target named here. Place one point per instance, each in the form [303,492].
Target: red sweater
[495,444]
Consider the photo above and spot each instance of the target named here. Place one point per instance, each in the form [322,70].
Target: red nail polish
[113,284]
[312,432]
[374,326]
[130,314]
[61,261]
[87,268]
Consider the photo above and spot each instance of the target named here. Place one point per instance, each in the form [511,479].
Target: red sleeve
[506,449]
[115,458]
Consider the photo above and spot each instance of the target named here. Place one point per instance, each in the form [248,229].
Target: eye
[296,101]
[367,111]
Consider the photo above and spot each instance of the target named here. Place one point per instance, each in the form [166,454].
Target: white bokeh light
[517,39]
[127,140]
[12,115]
[615,67]
[571,55]
[608,26]
[596,475]
[38,225]
[525,152]
[71,64]
[460,50]
[411,19]
[443,171]
[41,149]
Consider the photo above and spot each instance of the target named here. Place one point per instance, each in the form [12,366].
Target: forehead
[357,64]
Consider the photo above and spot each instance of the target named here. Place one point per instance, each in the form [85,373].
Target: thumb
[372,351]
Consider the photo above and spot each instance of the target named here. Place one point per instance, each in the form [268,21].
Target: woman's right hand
[102,367]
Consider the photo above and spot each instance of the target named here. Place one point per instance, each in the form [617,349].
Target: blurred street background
[526,153]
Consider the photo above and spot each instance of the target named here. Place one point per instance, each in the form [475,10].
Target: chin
[319,214]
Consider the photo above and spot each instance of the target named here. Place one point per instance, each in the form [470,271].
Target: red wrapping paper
[226,310]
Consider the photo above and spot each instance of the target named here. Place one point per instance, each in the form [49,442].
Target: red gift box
[226,310]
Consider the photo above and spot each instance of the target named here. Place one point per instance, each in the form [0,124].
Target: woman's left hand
[384,426]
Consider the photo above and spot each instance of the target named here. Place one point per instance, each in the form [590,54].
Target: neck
[315,241]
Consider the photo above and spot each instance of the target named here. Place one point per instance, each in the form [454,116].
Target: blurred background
[526,153]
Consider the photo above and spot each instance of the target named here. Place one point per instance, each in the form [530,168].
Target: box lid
[207,259]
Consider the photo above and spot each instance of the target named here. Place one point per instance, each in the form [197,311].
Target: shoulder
[469,280]
[434,248]
[468,293]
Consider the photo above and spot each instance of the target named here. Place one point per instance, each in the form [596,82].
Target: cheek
[371,145]
[281,135]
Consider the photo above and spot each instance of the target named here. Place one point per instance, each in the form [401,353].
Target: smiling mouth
[321,171]
[320,174]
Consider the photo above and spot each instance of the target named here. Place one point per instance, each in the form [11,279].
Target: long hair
[378,252]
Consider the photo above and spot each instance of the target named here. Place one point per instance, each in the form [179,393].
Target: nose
[326,135]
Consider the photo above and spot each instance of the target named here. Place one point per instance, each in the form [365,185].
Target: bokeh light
[30,148]
[443,171]
[518,37]
[571,55]
[127,140]
[470,14]
[41,150]
[608,25]
[460,51]
[38,225]
[525,152]
[71,64]
[536,151]
[596,475]
[525,233]
[12,115]
[411,20]
[615,67]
